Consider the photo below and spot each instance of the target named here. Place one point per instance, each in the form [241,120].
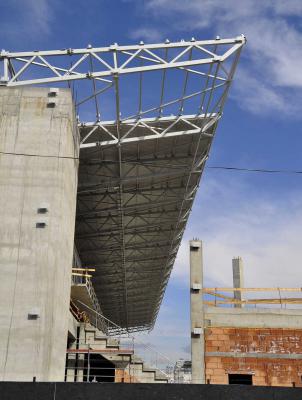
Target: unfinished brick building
[233,343]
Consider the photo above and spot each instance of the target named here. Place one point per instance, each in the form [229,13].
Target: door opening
[240,379]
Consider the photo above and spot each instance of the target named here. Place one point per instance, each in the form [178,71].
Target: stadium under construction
[93,213]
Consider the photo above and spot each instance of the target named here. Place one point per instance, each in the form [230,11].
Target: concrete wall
[253,317]
[37,142]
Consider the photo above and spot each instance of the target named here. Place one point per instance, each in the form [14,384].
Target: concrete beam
[233,354]
[253,318]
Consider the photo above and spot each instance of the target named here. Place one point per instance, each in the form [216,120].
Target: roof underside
[154,110]
[133,205]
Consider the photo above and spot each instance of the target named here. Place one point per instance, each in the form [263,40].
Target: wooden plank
[223,296]
[84,269]
[256,301]
[83,275]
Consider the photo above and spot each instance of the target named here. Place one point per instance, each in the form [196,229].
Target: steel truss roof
[156,111]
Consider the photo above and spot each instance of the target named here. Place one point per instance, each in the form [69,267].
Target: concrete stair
[123,357]
[146,373]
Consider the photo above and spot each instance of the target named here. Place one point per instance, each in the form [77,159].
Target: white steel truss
[154,110]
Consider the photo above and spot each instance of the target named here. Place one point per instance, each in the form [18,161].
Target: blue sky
[256,216]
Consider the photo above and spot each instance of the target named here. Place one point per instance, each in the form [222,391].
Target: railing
[99,374]
[76,258]
[85,364]
[149,355]
[80,276]
[223,299]
[79,315]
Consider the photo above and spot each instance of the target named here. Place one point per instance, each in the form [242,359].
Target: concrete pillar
[71,363]
[197,313]
[81,357]
[237,265]
[38,186]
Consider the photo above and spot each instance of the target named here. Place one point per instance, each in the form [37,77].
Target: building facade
[242,340]
[262,347]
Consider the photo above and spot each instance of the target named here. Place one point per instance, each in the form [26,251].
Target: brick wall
[122,376]
[223,344]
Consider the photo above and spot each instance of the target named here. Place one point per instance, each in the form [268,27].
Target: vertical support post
[88,367]
[4,76]
[81,357]
[197,312]
[237,265]
[71,363]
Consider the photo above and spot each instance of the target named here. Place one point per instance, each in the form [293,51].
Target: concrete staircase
[145,373]
[129,367]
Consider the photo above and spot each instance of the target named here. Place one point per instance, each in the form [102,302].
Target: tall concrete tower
[38,183]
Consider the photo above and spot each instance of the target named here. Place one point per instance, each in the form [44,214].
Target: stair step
[136,360]
[160,376]
[113,343]
[147,368]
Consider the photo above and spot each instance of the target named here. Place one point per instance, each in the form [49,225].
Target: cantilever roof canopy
[156,111]
[133,204]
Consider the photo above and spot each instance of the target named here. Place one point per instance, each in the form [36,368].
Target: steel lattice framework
[154,111]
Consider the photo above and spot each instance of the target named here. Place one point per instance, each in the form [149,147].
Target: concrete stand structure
[197,317]
[142,154]
[38,183]
[93,211]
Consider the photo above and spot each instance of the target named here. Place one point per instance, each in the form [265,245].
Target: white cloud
[261,98]
[40,14]
[272,59]
[285,7]
[148,34]
[265,232]
[28,18]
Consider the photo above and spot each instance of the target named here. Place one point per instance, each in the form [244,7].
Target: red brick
[217,331]
[229,331]
[212,365]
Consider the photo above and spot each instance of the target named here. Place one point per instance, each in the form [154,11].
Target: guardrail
[81,276]
[149,355]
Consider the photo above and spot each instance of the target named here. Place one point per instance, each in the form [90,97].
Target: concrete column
[38,186]
[197,313]
[237,265]
[81,357]
[71,363]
